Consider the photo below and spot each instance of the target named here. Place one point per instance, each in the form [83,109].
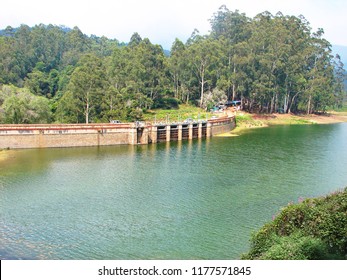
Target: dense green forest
[312,229]
[270,62]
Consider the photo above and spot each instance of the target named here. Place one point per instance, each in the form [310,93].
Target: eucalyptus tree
[203,59]
[294,70]
[76,45]
[232,30]
[340,78]
[87,85]
[48,45]
[177,67]
[320,76]
[269,62]
[8,73]
[140,68]
[155,76]
[67,110]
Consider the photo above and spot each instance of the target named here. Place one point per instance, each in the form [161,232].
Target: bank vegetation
[313,229]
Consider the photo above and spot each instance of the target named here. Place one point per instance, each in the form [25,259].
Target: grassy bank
[255,120]
[175,115]
[246,121]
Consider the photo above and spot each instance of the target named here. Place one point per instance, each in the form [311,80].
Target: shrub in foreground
[313,229]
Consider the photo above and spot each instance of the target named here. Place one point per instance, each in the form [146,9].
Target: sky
[163,21]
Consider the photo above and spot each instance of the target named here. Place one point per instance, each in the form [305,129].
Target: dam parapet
[76,135]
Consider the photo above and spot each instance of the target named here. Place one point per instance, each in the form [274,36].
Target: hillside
[53,73]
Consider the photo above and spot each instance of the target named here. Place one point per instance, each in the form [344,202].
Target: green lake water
[198,199]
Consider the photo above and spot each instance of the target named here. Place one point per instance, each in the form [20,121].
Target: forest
[272,63]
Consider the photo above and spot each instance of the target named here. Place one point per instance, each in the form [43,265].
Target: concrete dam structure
[81,135]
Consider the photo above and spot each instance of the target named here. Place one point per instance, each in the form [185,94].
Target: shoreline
[246,121]
[329,118]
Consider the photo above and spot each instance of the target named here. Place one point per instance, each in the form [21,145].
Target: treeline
[270,63]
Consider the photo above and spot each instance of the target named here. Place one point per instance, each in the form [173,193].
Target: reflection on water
[196,199]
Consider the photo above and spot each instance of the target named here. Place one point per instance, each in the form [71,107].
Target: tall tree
[19,106]
[88,84]
[203,58]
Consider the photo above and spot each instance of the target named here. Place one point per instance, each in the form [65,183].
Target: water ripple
[196,199]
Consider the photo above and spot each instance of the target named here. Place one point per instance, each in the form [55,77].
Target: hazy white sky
[163,21]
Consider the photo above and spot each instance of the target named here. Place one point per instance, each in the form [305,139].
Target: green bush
[166,103]
[313,229]
[296,246]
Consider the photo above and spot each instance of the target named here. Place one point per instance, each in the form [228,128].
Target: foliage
[270,62]
[87,85]
[313,229]
[176,115]
[66,110]
[167,103]
[18,105]
[212,98]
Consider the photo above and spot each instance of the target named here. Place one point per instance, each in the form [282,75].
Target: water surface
[196,199]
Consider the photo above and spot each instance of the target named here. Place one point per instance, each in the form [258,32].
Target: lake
[197,199]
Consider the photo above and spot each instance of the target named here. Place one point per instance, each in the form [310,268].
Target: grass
[175,115]
[246,121]
[289,120]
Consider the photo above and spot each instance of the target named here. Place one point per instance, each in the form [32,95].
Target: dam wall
[77,135]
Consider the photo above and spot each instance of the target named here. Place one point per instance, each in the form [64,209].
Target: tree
[213,98]
[67,109]
[20,106]
[340,77]
[37,82]
[270,62]
[177,67]
[135,40]
[320,75]
[232,30]
[139,69]
[87,85]
[203,59]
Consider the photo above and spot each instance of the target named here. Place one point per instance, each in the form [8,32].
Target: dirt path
[274,119]
[330,118]
[248,121]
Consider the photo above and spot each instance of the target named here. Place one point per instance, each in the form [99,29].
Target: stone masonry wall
[49,136]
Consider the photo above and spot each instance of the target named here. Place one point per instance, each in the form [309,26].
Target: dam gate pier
[80,135]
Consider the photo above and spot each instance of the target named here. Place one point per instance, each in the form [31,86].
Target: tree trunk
[285,105]
[272,104]
[234,87]
[309,105]
[276,102]
[292,102]
[87,112]
[202,88]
